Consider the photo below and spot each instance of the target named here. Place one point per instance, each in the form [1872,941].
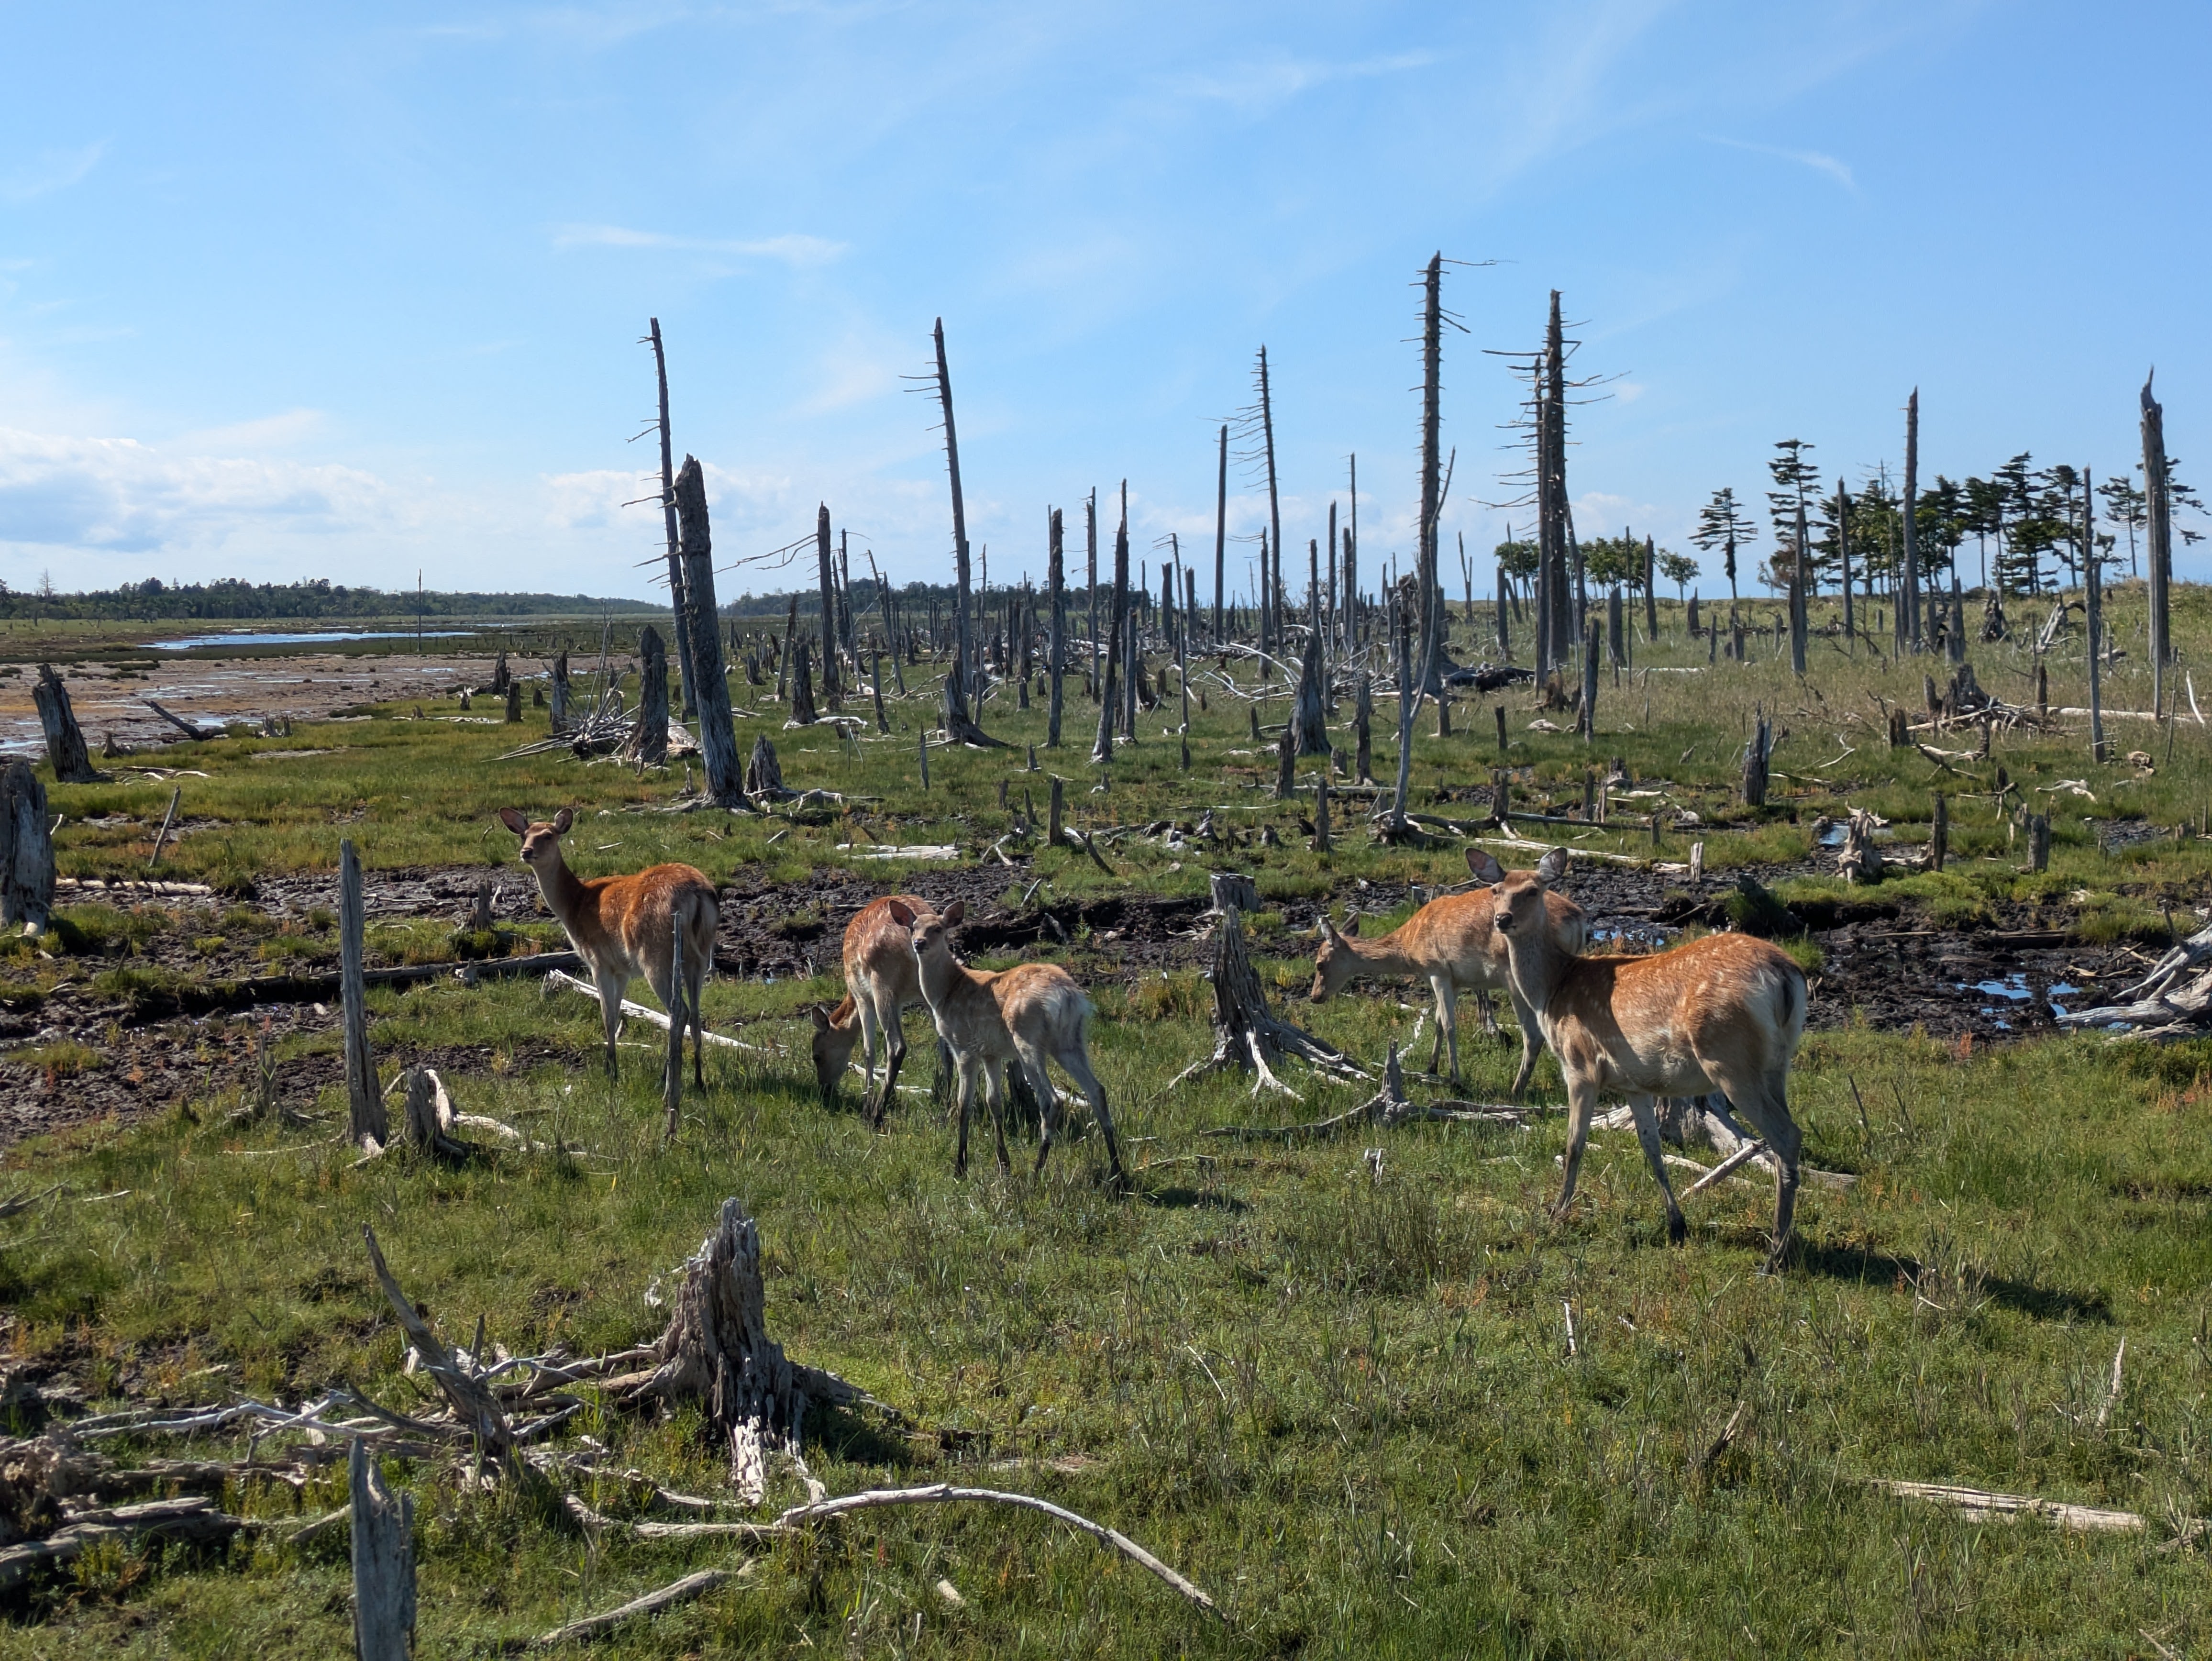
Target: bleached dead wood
[1983,1503]
[473,1405]
[1247,1033]
[683,1591]
[937,1494]
[383,1525]
[559,977]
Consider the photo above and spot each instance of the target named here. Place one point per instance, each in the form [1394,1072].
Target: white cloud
[1257,85]
[792,249]
[1816,160]
[48,172]
[264,433]
[118,495]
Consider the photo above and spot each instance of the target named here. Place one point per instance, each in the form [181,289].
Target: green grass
[1341,1399]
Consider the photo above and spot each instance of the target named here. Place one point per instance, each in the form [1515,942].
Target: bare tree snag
[559,718]
[1246,1033]
[26,849]
[1232,892]
[1056,641]
[1286,764]
[802,684]
[1860,860]
[717,1353]
[1908,603]
[1108,699]
[677,599]
[718,739]
[1939,834]
[764,773]
[2158,536]
[963,641]
[1053,813]
[830,687]
[64,741]
[367,1128]
[691,1586]
[383,1527]
[460,1379]
[1755,757]
[876,687]
[1321,813]
[1309,710]
[648,740]
[1363,728]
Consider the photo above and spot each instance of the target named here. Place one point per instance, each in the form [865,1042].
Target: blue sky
[343,292]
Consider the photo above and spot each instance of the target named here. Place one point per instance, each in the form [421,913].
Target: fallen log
[667,1597]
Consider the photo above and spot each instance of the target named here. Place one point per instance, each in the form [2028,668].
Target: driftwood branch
[944,1492]
[683,1591]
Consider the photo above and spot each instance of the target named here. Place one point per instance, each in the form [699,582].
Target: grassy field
[1343,1398]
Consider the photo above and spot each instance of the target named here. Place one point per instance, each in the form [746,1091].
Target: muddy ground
[1885,960]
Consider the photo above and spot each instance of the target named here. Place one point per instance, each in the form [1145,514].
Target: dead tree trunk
[1220,531]
[1755,758]
[802,683]
[559,719]
[367,1128]
[1270,616]
[1309,711]
[649,738]
[829,683]
[1287,762]
[1363,728]
[676,597]
[764,773]
[2094,606]
[26,849]
[1586,720]
[1109,711]
[718,739]
[1246,1033]
[962,640]
[64,741]
[383,1528]
[2158,538]
[716,1352]
[1056,642]
[1908,610]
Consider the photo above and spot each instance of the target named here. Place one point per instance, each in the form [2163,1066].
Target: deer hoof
[1678,1232]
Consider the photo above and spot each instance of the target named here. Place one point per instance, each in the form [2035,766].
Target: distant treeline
[230,599]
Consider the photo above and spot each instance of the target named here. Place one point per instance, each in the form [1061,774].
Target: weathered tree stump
[1286,764]
[648,740]
[560,716]
[1309,710]
[1363,732]
[1246,1032]
[501,677]
[1860,860]
[26,849]
[718,741]
[1755,757]
[764,773]
[514,703]
[802,684]
[717,1353]
[367,1127]
[64,741]
[1233,891]
[2039,842]
[383,1528]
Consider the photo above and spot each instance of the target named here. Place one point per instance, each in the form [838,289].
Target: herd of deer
[1723,1013]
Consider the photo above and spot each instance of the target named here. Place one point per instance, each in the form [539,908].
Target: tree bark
[829,683]
[718,739]
[26,849]
[963,641]
[382,1524]
[649,742]
[2159,541]
[367,1127]
[65,746]
[1109,701]
[1248,1034]
[1270,621]
[676,598]
[1056,642]
[1309,723]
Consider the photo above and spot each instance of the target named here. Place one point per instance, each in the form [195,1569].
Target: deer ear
[1483,868]
[954,912]
[513,821]
[901,914]
[562,821]
[1352,924]
[1327,930]
[1552,867]
[821,1018]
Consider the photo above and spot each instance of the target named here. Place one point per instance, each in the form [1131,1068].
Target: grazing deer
[1025,1014]
[1452,944]
[1724,1012]
[625,927]
[882,979]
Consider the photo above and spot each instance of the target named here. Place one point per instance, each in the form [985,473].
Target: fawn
[882,979]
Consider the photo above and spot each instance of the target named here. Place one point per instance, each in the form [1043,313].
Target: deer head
[541,838]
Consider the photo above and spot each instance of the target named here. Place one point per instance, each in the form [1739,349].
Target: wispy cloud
[262,433]
[1818,161]
[792,248]
[1262,83]
[48,172]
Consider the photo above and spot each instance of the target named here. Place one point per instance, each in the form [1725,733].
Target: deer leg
[967,1091]
[1532,1042]
[1647,1132]
[1763,1101]
[894,1053]
[865,1008]
[1441,986]
[994,1096]
[695,981]
[1047,1105]
[612,988]
[1489,1013]
[1582,1097]
[1076,1065]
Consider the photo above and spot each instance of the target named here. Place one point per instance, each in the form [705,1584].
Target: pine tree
[1721,525]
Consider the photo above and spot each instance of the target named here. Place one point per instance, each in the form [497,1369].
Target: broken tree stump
[764,773]
[26,849]
[1860,860]
[1233,891]
[648,741]
[1309,711]
[1249,1034]
[1755,756]
[716,1352]
[559,720]
[383,1527]
[1286,764]
[367,1128]
[64,741]
[802,685]
[514,703]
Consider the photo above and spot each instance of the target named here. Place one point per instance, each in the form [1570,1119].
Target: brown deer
[1724,1012]
[1452,944]
[882,979]
[625,927]
[1026,1014]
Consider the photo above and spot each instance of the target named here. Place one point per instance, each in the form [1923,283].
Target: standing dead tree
[1056,642]
[26,849]
[1109,703]
[1308,724]
[1908,603]
[1246,1033]
[2158,535]
[830,684]
[65,746]
[718,739]
[676,598]
[648,741]
[963,643]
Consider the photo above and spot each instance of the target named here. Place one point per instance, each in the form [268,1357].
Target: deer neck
[1537,965]
[1386,954]
[564,895]
[942,979]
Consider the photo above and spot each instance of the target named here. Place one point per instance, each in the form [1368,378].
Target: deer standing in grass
[1724,1012]
[1027,1014]
[882,979]
[1452,944]
[625,927]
